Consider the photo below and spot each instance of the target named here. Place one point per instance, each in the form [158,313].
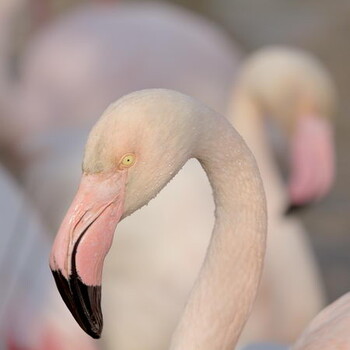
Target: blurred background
[319,26]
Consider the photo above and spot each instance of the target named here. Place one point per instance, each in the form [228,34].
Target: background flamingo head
[295,91]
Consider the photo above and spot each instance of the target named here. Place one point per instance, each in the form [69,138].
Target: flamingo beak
[81,244]
[312,161]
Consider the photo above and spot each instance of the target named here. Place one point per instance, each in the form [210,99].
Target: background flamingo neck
[250,122]
[9,11]
[223,294]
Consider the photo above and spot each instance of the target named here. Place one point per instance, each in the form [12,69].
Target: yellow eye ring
[127,161]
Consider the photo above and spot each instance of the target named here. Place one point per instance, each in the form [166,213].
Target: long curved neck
[248,120]
[225,290]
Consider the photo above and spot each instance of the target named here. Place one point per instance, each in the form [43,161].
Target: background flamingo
[30,316]
[328,330]
[21,236]
[295,87]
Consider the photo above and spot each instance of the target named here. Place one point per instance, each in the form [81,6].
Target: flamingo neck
[225,290]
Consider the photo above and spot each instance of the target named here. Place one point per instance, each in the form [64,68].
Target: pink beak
[312,160]
[82,242]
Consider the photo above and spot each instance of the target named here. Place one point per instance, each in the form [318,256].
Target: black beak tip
[93,332]
[296,208]
[95,335]
[84,302]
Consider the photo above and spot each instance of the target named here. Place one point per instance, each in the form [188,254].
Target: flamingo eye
[127,161]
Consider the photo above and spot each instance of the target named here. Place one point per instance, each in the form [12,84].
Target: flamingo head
[136,147]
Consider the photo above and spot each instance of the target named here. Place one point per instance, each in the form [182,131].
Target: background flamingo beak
[82,243]
[312,161]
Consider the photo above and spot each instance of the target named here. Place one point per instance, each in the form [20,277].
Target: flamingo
[55,96]
[133,151]
[328,330]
